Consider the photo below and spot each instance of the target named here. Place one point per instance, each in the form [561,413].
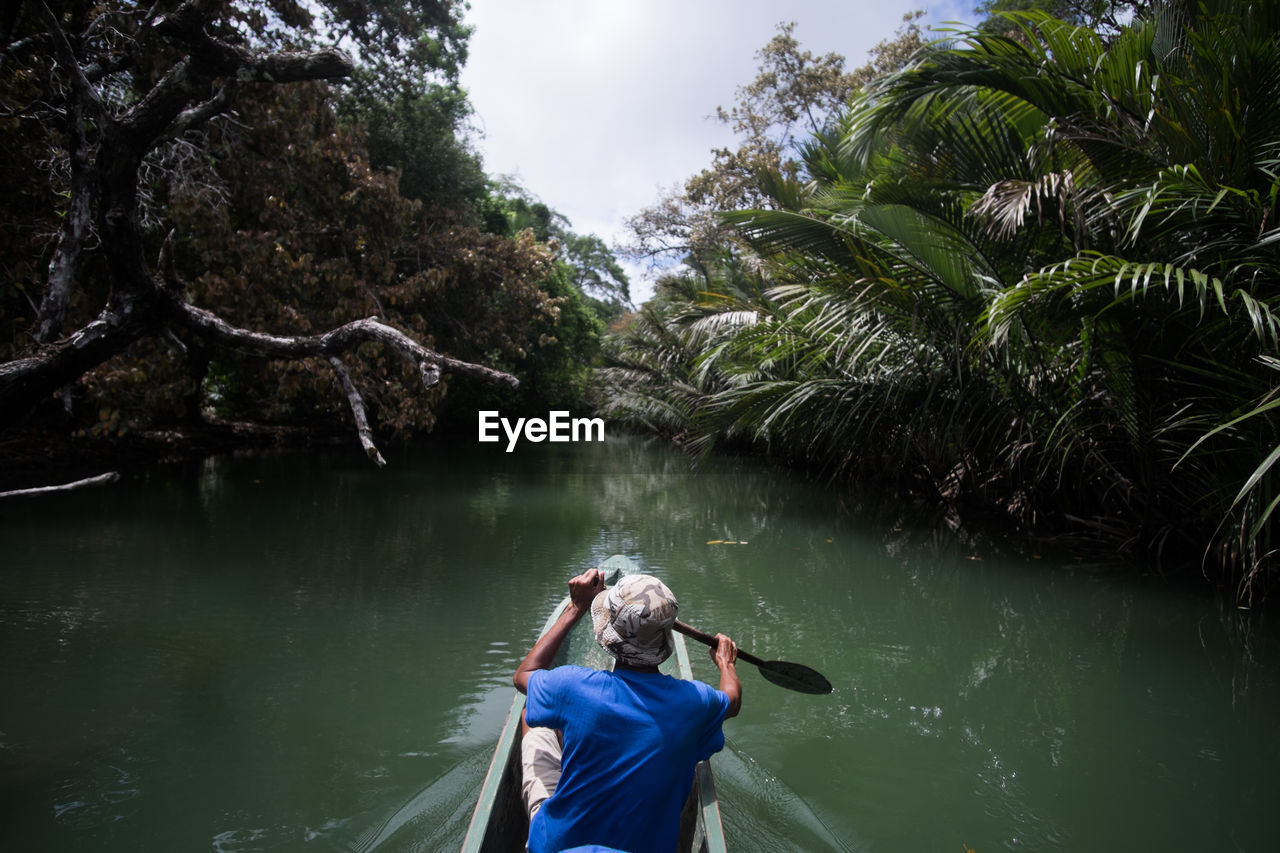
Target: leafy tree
[402,44]
[661,367]
[596,273]
[594,269]
[314,236]
[414,115]
[422,136]
[558,372]
[1102,16]
[125,103]
[793,97]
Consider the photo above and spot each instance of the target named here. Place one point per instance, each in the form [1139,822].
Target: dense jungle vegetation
[1026,269]
[184,180]
[1030,269]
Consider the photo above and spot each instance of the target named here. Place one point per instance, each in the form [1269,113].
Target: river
[292,653]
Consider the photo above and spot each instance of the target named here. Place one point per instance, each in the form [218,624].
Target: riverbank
[33,457]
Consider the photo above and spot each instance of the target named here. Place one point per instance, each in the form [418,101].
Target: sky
[597,107]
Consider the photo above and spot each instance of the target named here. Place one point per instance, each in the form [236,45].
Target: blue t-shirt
[631,741]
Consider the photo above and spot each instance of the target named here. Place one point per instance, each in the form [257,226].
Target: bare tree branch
[75,228]
[100,480]
[25,381]
[428,363]
[84,91]
[201,113]
[357,411]
[164,263]
[191,78]
[216,57]
[296,67]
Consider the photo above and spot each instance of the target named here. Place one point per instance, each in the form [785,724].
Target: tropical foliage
[349,194]
[1036,269]
[794,95]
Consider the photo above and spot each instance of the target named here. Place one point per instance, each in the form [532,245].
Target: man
[630,738]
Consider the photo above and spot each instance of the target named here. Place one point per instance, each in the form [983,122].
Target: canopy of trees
[1035,270]
[212,210]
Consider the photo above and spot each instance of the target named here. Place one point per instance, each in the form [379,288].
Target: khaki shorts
[540,759]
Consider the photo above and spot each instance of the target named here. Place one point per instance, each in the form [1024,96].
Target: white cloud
[596,106]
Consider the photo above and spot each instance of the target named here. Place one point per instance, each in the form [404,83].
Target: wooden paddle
[793,676]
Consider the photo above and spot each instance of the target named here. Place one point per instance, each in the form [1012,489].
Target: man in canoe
[609,756]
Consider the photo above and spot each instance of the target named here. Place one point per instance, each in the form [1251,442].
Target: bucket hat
[632,620]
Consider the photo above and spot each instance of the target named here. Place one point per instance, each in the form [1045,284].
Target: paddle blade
[794,676]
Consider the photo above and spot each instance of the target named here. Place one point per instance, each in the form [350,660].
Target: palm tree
[1092,226]
[1172,136]
[1037,268]
[660,368]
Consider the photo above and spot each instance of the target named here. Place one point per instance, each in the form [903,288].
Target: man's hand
[585,587]
[582,590]
[725,654]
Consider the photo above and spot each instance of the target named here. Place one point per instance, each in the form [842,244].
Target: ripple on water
[762,813]
[107,793]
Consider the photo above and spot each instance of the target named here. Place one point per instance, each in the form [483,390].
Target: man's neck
[629,668]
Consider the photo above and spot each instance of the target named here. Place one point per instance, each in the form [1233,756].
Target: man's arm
[582,590]
[725,654]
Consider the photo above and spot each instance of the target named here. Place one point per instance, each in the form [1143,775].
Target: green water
[310,654]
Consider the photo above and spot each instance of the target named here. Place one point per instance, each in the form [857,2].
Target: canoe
[499,824]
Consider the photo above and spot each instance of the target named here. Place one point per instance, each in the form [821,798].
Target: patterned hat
[633,620]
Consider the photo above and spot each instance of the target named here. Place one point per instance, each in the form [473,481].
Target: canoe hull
[499,823]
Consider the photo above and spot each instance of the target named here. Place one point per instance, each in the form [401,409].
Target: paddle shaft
[792,676]
[708,640]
